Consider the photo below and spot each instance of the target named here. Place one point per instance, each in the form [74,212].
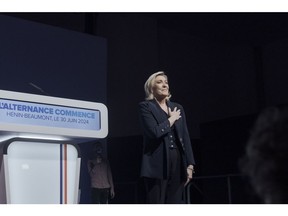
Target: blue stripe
[61,175]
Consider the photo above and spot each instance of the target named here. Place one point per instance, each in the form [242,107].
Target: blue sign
[38,114]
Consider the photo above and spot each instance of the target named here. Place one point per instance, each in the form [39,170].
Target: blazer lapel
[171,105]
[156,111]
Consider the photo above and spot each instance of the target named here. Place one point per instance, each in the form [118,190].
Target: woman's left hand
[189,175]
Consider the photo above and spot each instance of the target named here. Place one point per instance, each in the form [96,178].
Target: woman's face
[161,87]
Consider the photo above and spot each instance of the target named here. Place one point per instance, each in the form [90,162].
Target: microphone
[39,89]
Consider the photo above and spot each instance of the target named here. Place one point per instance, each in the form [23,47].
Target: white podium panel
[41,172]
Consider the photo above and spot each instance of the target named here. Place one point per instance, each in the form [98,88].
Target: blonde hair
[148,86]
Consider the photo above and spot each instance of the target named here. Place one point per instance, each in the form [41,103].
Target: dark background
[223,68]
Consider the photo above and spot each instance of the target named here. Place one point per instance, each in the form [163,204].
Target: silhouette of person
[266,158]
[101,177]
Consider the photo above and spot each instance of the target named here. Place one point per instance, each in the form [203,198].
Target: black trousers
[170,190]
[100,195]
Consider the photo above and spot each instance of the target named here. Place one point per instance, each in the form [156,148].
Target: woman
[168,161]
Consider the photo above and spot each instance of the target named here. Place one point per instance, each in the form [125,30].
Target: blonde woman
[168,161]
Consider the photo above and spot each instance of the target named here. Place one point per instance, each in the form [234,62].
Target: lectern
[39,138]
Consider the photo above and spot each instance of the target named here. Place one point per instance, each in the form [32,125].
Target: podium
[39,154]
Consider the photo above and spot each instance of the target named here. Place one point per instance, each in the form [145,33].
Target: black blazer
[156,128]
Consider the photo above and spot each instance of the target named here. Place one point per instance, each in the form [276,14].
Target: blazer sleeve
[150,123]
